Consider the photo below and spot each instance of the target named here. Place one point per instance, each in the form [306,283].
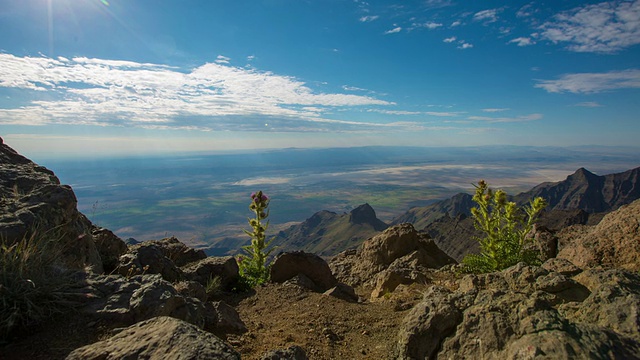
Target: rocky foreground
[398,296]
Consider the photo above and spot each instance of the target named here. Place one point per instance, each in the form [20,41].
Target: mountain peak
[363,214]
[582,173]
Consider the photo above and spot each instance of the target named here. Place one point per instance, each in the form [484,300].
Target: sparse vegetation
[253,267]
[505,229]
[34,285]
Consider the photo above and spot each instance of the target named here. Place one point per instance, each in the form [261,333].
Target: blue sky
[99,78]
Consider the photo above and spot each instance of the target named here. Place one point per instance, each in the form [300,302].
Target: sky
[120,77]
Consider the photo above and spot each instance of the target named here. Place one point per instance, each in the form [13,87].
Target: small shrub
[33,284]
[253,267]
[505,229]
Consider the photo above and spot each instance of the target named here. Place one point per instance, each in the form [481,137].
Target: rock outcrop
[614,242]
[400,255]
[527,312]
[158,338]
[33,200]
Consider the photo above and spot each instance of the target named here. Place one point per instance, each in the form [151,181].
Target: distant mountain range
[582,198]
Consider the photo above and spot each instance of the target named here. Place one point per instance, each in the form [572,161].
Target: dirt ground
[280,315]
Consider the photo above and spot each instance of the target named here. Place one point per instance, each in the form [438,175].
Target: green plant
[253,267]
[505,227]
[33,283]
[214,287]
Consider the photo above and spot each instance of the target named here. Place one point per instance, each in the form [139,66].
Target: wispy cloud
[589,83]
[393,31]
[427,25]
[523,118]
[590,104]
[444,113]
[493,110]
[456,23]
[222,59]
[464,45]
[522,41]
[212,96]
[369,18]
[486,16]
[604,28]
[450,39]
[396,112]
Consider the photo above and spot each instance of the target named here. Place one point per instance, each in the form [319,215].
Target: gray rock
[178,252]
[291,353]
[123,302]
[427,324]
[158,339]
[223,319]
[205,269]
[289,264]
[344,292]
[148,258]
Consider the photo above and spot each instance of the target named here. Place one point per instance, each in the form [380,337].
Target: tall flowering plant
[253,267]
[505,227]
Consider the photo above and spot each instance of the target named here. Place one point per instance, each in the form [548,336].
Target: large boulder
[178,252]
[204,270]
[122,301]
[289,264]
[33,200]
[148,258]
[614,242]
[399,255]
[527,312]
[156,339]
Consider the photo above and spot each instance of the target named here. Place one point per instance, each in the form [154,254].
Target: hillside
[327,233]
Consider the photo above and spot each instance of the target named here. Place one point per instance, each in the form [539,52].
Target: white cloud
[456,23]
[251,57]
[523,118]
[493,110]
[464,45]
[396,112]
[487,16]
[443,113]
[522,41]
[525,11]
[430,25]
[394,30]
[603,28]
[222,59]
[590,104]
[369,18]
[352,88]
[210,97]
[450,39]
[590,83]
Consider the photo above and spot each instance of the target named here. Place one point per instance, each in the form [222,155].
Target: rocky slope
[327,233]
